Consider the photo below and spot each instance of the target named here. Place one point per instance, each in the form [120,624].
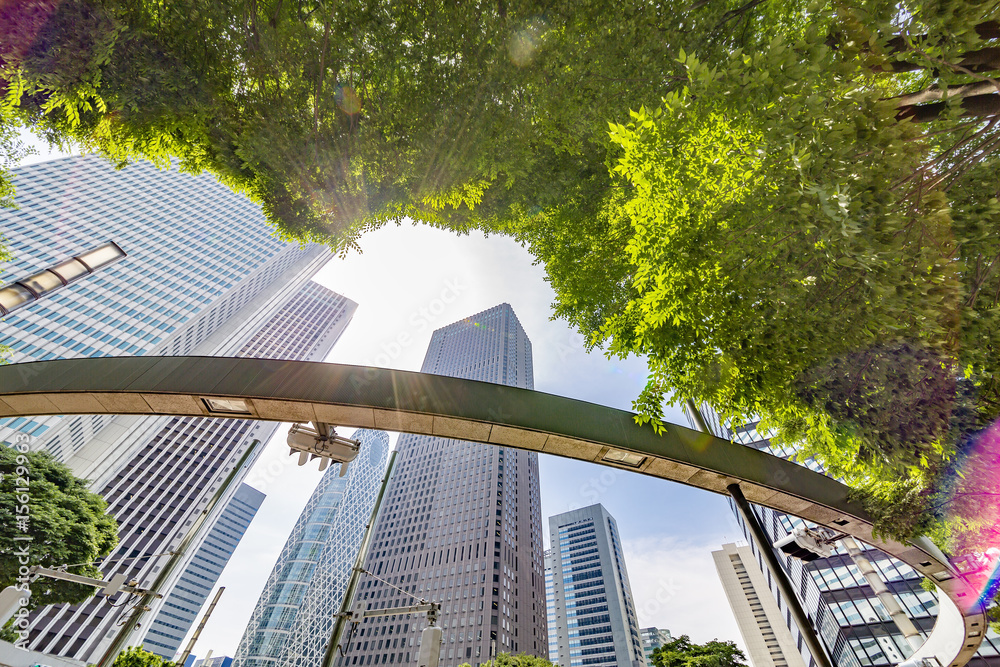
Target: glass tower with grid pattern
[163,487]
[203,271]
[595,617]
[852,623]
[203,275]
[294,616]
[180,608]
[460,523]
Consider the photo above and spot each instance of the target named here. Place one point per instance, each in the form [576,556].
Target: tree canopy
[136,656]
[787,207]
[682,652]
[67,525]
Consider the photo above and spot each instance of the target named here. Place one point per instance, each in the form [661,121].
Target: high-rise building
[158,493]
[218,661]
[294,616]
[550,609]
[595,617]
[851,622]
[768,640]
[652,639]
[203,273]
[180,609]
[460,523]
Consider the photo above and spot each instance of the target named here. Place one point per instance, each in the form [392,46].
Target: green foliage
[67,524]
[135,656]
[682,652]
[520,660]
[340,117]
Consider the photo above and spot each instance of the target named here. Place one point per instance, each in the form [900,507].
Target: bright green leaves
[68,524]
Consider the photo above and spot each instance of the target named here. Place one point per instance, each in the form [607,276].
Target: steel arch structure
[298,391]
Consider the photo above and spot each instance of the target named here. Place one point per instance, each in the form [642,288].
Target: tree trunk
[935,93]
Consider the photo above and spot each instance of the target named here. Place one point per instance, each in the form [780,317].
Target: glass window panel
[14,296]
[43,282]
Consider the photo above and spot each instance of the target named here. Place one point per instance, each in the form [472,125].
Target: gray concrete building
[460,523]
[768,640]
[591,598]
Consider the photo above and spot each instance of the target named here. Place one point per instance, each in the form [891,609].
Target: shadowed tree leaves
[67,524]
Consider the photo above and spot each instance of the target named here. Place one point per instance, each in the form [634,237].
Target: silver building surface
[294,616]
[851,622]
[595,617]
[203,275]
[768,640]
[160,490]
[460,523]
[180,609]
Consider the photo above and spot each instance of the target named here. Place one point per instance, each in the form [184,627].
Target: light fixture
[229,406]
[624,458]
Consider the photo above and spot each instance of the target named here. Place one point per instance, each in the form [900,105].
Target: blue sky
[410,280]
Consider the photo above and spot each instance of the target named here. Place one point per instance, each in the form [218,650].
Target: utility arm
[108,588]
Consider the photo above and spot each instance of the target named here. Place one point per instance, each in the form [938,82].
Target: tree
[337,117]
[682,652]
[796,236]
[67,525]
[135,656]
[520,660]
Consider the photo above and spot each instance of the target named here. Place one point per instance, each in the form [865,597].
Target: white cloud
[676,587]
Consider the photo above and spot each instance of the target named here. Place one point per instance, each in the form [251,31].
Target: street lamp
[28,290]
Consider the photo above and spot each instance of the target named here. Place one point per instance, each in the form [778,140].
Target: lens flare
[975,511]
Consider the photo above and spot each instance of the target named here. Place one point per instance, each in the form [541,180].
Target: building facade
[180,609]
[768,640]
[853,625]
[203,275]
[203,272]
[162,488]
[595,617]
[460,524]
[652,639]
[294,616]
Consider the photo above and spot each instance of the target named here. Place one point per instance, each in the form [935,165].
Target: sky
[410,280]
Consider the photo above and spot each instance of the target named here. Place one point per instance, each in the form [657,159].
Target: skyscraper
[294,616]
[180,609]
[851,622]
[768,640]
[203,273]
[652,639]
[460,523]
[161,489]
[595,618]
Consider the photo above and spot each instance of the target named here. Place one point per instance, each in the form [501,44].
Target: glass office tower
[460,523]
[203,272]
[163,487]
[294,616]
[180,609]
[203,275]
[852,623]
[595,617]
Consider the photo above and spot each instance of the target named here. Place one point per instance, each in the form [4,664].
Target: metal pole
[197,633]
[899,617]
[809,635]
[118,643]
[352,584]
